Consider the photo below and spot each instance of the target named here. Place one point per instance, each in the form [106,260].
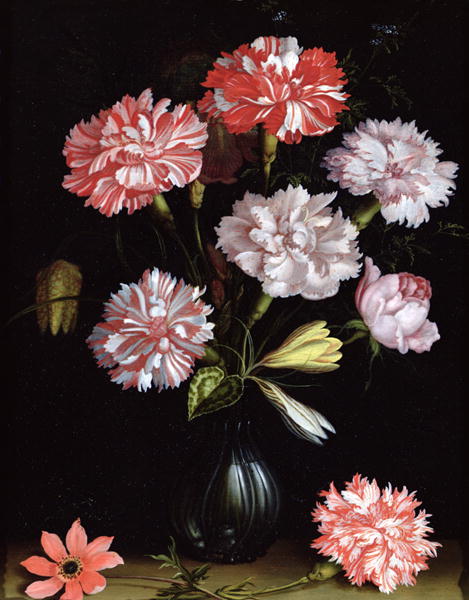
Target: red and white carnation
[375,535]
[133,151]
[272,81]
[292,243]
[152,333]
[398,164]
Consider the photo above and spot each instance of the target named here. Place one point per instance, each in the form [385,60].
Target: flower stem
[259,309]
[198,239]
[34,307]
[356,336]
[268,144]
[161,213]
[281,588]
[364,214]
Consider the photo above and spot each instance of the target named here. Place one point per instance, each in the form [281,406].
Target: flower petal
[53,546]
[92,582]
[99,544]
[76,539]
[73,591]
[39,566]
[103,560]
[44,589]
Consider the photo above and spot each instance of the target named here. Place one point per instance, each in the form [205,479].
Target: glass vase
[226,501]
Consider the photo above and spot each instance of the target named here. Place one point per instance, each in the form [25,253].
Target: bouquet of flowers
[283,238]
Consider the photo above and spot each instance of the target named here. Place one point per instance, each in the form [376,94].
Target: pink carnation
[272,81]
[396,163]
[375,535]
[74,566]
[292,242]
[153,331]
[133,151]
[395,309]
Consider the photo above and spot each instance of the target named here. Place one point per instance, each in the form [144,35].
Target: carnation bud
[59,279]
[218,262]
[323,570]
[217,290]
[307,349]
[196,193]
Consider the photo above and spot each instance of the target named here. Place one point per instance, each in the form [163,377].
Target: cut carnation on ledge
[374,534]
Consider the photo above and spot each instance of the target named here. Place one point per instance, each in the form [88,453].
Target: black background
[79,446]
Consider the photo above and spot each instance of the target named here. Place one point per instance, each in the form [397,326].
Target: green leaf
[357,324]
[210,391]
[159,557]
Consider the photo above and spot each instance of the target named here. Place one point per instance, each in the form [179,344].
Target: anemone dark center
[70,567]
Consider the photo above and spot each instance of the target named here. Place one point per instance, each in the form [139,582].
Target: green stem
[198,239]
[282,588]
[34,307]
[268,144]
[161,213]
[356,336]
[194,275]
[259,309]
[364,214]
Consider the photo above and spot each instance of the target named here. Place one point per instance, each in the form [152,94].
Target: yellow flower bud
[307,349]
[61,278]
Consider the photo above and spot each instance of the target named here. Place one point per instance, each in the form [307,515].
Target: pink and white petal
[53,546]
[39,566]
[73,591]
[422,340]
[102,560]
[44,589]
[92,582]
[76,539]
[372,273]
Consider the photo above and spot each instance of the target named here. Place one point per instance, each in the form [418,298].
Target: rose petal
[44,589]
[53,546]
[92,582]
[76,539]
[39,566]
[103,560]
[73,591]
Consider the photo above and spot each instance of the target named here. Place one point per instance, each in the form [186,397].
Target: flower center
[70,568]
[158,327]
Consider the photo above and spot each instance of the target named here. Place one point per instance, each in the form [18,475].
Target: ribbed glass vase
[225,504]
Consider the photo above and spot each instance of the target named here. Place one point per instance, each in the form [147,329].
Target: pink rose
[395,308]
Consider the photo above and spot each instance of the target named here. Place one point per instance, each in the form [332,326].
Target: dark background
[78,445]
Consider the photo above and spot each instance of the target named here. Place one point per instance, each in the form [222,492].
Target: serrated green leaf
[158,557]
[210,391]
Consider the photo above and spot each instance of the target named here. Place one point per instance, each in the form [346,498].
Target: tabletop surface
[285,561]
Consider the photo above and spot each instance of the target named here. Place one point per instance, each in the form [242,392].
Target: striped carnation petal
[132,152]
[153,332]
[273,82]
